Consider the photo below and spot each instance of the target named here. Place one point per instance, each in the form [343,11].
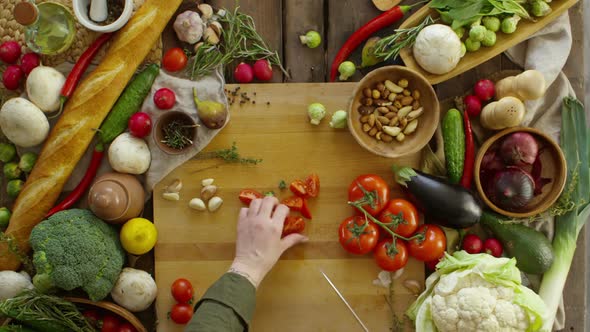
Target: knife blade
[358,319]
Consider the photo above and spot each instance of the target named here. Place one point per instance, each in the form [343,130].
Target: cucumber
[454,143]
[128,104]
[532,249]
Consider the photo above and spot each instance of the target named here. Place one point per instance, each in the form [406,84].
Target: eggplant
[450,205]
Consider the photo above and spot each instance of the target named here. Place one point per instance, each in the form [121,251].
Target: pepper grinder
[116,197]
[98,10]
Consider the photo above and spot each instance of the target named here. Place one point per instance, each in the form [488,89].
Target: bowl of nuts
[394,112]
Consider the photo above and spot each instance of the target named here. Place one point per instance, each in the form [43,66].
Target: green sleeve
[227,306]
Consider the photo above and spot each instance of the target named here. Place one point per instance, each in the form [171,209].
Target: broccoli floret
[74,248]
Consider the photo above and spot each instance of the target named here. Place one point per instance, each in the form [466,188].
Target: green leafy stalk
[390,46]
[575,145]
[230,155]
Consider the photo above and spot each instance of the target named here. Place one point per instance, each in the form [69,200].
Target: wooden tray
[472,59]
[199,246]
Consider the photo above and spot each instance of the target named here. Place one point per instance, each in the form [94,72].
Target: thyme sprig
[230,155]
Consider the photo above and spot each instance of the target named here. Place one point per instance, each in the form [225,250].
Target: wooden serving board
[294,296]
[525,29]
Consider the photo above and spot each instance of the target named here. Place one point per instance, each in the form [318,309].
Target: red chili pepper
[80,189]
[467,176]
[387,18]
[80,67]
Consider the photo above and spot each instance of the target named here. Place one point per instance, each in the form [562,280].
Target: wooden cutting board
[294,296]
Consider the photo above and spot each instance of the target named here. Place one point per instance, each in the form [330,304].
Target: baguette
[83,113]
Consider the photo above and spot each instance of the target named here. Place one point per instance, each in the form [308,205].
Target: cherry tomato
[403,214]
[431,246]
[174,59]
[390,257]
[293,224]
[298,188]
[472,244]
[140,124]
[357,236]
[182,290]
[110,323]
[370,189]
[127,327]
[312,185]
[92,316]
[248,195]
[295,203]
[305,210]
[493,247]
[181,313]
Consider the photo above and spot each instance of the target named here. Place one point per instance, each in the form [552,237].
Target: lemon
[138,236]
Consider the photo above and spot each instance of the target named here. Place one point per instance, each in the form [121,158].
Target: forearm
[228,305]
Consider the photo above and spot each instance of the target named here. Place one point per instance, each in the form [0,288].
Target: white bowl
[81,12]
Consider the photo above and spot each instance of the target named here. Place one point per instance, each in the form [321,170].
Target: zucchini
[532,249]
[454,144]
[128,104]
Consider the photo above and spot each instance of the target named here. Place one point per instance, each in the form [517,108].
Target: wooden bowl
[166,119]
[111,307]
[553,167]
[427,122]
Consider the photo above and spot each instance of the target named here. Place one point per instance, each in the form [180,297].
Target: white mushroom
[12,283]
[129,154]
[135,290]
[437,49]
[23,123]
[44,88]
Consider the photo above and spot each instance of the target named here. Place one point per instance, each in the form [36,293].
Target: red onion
[513,188]
[519,149]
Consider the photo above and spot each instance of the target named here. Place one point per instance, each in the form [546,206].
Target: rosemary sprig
[177,134]
[390,46]
[240,41]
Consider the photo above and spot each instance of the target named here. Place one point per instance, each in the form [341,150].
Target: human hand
[259,244]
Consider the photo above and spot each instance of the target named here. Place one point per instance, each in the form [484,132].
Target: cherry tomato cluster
[387,227]
[107,322]
[474,245]
[182,291]
[302,191]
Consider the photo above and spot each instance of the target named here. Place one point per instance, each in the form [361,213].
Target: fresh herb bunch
[465,12]
[240,41]
[230,155]
[390,46]
[45,312]
[177,134]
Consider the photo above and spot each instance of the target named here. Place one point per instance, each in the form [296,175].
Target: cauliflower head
[477,293]
[74,248]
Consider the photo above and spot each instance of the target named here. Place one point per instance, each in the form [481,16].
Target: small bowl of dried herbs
[175,132]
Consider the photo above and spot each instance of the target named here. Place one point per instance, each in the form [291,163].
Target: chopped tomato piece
[293,224]
[312,185]
[248,195]
[295,203]
[298,188]
[305,210]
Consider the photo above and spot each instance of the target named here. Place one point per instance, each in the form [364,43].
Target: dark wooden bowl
[427,122]
[554,168]
[166,119]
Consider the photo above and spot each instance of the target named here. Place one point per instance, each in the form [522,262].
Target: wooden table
[281,22]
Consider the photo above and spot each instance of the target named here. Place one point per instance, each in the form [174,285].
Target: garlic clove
[208,191]
[206,11]
[216,26]
[414,286]
[174,186]
[197,204]
[171,196]
[207,182]
[210,36]
[214,203]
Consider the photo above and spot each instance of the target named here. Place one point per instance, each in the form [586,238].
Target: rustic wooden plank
[304,64]
[268,15]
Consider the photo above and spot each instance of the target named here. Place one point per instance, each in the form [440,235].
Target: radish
[164,98]
[472,244]
[262,70]
[519,149]
[140,124]
[29,62]
[472,105]
[493,247]
[243,73]
[12,77]
[484,90]
[9,51]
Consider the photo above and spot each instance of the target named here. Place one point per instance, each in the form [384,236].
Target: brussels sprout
[540,8]
[491,23]
[463,49]
[11,171]
[339,119]
[7,152]
[460,31]
[316,112]
[489,38]
[477,33]
[27,161]
[312,39]
[346,69]
[4,217]
[13,188]
[509,24]
[472,45]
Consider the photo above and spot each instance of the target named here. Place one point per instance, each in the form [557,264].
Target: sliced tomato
[298,188]
[305,210]
[293,224]
[295,203]
[312,185]
[248,195]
